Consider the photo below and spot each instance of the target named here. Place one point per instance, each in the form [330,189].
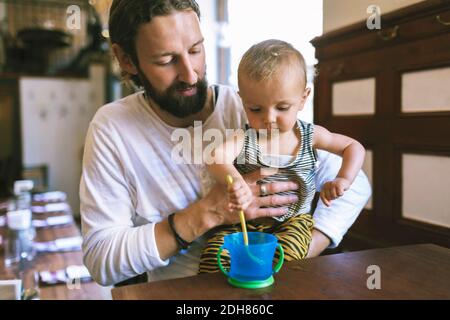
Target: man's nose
[186,72]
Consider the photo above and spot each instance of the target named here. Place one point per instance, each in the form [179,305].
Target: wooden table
[407,272]
[53,262]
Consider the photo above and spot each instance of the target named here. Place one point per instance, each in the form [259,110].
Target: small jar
[20,237]
[22,194]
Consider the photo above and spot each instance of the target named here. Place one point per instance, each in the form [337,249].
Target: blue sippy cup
[251,266]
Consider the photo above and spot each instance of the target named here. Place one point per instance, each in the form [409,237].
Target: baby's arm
[220,164]
[352,153]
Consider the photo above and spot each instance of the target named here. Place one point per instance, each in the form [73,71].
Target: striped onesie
[292,229]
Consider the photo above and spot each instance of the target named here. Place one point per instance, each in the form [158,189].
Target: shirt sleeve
[334,221]
[113,248]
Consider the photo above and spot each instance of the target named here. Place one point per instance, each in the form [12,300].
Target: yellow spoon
[241,214]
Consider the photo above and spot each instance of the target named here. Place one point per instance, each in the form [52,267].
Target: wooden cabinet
[10,148]
[389,89]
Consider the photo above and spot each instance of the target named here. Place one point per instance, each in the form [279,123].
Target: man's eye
[195,51]
[165,62]
[283,108]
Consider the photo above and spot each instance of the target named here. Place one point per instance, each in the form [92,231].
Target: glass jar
[20,236]
[22,194]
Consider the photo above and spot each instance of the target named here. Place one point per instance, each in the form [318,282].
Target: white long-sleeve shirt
[130,182]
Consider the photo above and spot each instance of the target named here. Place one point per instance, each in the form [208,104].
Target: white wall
[209,30]
[340,13]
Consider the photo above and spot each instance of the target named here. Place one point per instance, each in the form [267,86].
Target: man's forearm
[318,244]
[190,223]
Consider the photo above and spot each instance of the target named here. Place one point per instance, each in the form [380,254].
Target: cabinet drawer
[393,32]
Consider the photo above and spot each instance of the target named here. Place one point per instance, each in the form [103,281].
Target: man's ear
[125,62]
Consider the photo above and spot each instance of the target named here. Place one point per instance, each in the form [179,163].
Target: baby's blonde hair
[263,59]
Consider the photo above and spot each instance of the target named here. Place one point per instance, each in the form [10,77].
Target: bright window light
[294,21]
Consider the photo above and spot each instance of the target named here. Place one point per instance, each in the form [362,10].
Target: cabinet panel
[426,189]
[356,97]
[426,90]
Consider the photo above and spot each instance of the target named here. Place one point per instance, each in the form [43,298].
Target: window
[294,21]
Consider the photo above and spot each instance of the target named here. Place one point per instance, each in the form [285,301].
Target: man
[130,183]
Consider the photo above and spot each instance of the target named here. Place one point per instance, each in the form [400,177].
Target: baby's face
[274,103]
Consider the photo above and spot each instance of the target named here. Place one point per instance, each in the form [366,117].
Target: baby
[272,86]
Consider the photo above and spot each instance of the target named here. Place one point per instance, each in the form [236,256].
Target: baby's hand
[240,195]
[333,189]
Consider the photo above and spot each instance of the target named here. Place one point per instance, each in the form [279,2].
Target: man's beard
[174,103]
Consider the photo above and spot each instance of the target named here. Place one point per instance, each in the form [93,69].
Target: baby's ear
[306,93]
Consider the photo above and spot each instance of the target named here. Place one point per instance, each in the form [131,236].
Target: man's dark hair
[126,16]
